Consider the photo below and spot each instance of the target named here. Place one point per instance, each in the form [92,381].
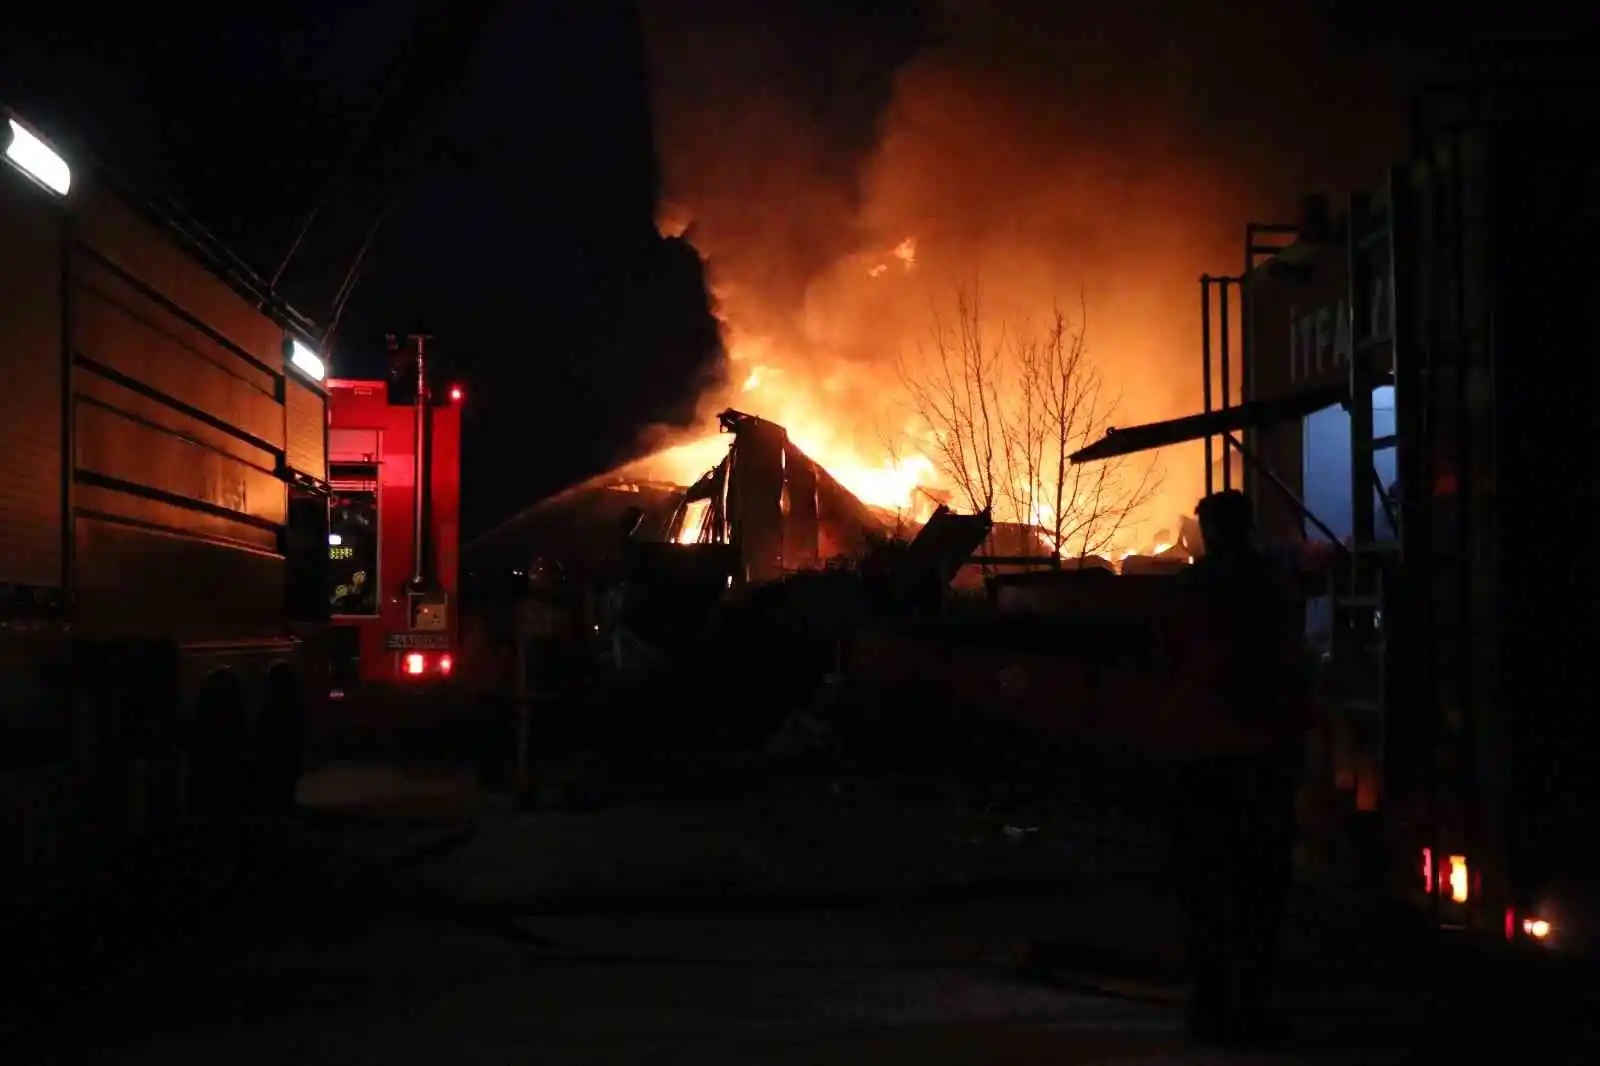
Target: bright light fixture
[334,540]
[306,361]
[38,160]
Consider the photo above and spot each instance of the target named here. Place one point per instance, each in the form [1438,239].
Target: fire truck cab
[393,541]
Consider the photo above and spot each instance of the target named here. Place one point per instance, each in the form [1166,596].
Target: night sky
[525,241]
[522,230]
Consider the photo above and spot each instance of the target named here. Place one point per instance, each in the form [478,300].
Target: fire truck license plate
[410,641]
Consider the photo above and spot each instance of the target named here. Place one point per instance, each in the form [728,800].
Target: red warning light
[415,663]
[455,394]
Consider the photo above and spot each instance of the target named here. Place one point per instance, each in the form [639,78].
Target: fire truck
[1410,380]
[394,451]
[162,509]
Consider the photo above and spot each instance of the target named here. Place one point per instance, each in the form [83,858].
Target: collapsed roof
[588,523]
[783,510]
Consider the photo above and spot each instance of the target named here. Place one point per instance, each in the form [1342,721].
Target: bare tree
[1005,418]
[960,398]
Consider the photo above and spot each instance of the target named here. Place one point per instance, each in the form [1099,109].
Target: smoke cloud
[1036,153]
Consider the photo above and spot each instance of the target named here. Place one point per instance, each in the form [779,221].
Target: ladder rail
[1359,617]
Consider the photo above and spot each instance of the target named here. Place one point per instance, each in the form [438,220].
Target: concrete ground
[831,921]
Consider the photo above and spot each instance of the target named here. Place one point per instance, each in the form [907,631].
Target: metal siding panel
[99,500]
[30,387]
[116,327]
[305,429]
[396,498]
[1297,346]
[353,445]
[88,384]
[119,234]
[1544,438]
[447,498]
[141,583]
[114,445]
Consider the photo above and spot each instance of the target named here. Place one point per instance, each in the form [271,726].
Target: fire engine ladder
[1359,637]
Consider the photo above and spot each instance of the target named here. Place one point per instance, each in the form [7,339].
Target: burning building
[778,509]
[781,509]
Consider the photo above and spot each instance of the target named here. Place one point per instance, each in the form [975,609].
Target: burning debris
[755,489]
[905,251]
[782,510]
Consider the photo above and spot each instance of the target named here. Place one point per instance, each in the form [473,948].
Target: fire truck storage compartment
[32,502]
[305,413]
[179,428]
[1527,484]
[1488,613]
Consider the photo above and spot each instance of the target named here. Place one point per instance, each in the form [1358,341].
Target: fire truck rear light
[1537,928]
[416,664]
[1458,879]
[455,394]
[446,664]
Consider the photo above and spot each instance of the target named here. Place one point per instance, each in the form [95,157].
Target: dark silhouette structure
[1234,817]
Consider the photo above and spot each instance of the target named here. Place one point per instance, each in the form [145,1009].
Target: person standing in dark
[1242,661]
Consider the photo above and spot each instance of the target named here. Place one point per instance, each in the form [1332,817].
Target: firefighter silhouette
[1234,816]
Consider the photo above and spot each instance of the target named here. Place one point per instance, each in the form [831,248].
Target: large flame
[822,414]
[858,417]
[842,195]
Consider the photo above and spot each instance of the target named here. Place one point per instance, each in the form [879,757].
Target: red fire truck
[394,450]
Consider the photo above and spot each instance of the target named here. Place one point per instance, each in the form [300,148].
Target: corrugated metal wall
[1540,493]
[31,355]
[305,428]
[179,431]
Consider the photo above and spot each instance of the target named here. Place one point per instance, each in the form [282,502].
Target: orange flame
[853,420]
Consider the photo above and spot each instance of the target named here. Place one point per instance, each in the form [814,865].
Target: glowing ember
[694,519]
[906,252]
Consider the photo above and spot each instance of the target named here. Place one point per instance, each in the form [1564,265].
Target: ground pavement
[814,922]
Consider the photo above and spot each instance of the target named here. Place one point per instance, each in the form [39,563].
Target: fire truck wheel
[218,749]
[282,740]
